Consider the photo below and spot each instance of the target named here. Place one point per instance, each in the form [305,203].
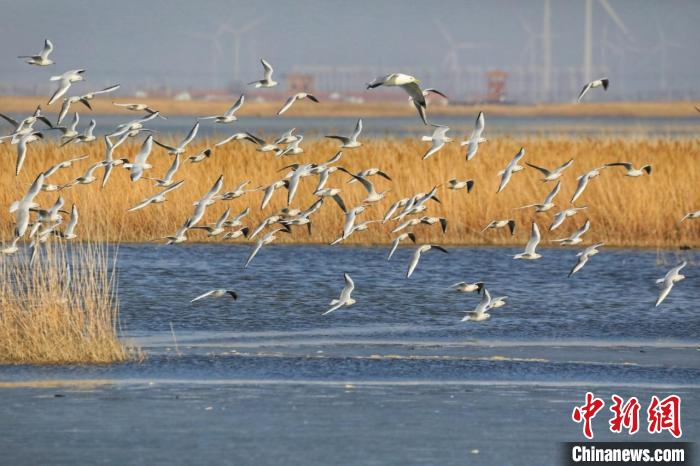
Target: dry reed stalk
[61,309]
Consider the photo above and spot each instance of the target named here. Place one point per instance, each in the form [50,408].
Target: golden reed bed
[643,212]
[27,104]
[61,309]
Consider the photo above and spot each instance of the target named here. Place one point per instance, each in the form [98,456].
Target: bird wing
[107,89]
[347,290]
[48,48]
[358,130]
[552,193]
[203,295]
[268,69]
[505,178]
[144,152]
[287,104]
[668,286]
[414,261]
[583,92]
[627,165]
[534,240]
[480,123]
[414,90]
[73,221]
[214,189]
[342,139]
[544,171]
[564,165]
[234,108]
[63,87]
[190,136]
[253,253]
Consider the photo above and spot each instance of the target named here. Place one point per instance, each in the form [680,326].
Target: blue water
[394,379]
[411,126]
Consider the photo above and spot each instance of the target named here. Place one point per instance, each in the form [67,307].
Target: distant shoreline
[103,106]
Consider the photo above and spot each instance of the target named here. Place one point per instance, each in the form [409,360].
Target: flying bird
[511,168]
[294,98]
[603,82]
[464,287]
[344,299]
[479,313]
[417,254]
[156,198]
[180,148]
[43,58]
[672,277]
[229,116]
[350,142]
[630,170]
[64,83]
[531,246]
[475,139]
[220,293]
[438,139]
[267,80]
[456,184]
[553,174]
[397,240]
[510,223]
[583,257]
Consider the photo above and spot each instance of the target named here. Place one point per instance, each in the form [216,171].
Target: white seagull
[553,174]
[180,148]
[457,184]
[575,237]
[416,256]
[672,277]
[559,217]
[475,139]
[479,313]
[548,202]
[139,165]
[511,168]
[294,98]
[583,257]
[531,246]
[344,299]
[267,80]
[350,142]
[510,223]
[220,293]
[65,81]
[43,58]
[229,116]
[464,287]
[156,198]
[409,84]
[267,239]
[583,182]
[397,240]
[438,139]
[630,170]
[603,82]
[23,205]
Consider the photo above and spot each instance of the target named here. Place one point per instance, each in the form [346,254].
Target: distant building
[300,82]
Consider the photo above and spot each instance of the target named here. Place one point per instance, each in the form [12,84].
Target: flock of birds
[40,224]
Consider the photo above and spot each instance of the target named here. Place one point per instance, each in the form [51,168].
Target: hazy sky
[140,43]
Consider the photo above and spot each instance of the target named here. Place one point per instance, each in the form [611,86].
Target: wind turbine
[453,53]
[216,49]
[662,49]
[237,33]
[588,34]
